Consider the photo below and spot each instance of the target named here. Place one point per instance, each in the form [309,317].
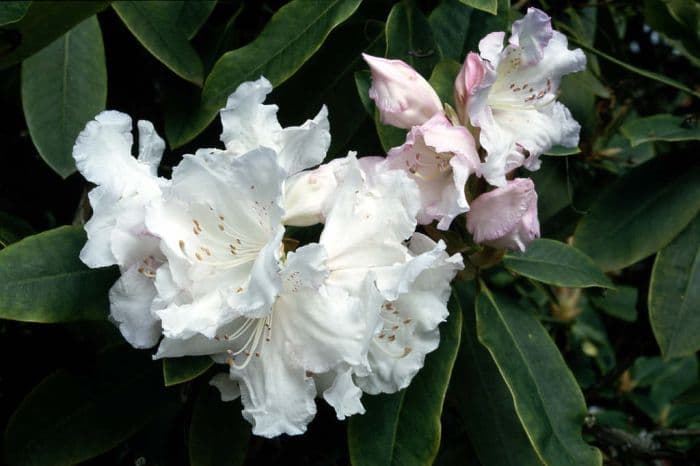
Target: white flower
[312,327]
[373,215]
[510,94]
[220,228]
[249,124]
[116,231]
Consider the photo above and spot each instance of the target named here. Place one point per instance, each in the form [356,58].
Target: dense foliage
[582,350]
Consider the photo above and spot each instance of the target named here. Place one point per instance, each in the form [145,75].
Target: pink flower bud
[506,217]
[469,77]
[404,98]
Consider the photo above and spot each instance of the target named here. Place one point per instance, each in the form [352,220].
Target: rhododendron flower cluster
[507,96]
[207,267]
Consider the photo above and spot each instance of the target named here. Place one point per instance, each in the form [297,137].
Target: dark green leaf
[674,294]
[620,303]
[449,22]
[218,433]
[42,280]
[11,11]
[489,6]
[547,398]
[640,213]
[409,38]
[363,81]
[642,72]
[63,87]
[482,23]
[293,34]
[12,229]
[660,128]
[184,369]
[403,429]
[70,418]
[156,25]
[389,136]
[483,398]
[193,15]
[328,79]
[443,79]
[557,264]
[41,25]
[691,396]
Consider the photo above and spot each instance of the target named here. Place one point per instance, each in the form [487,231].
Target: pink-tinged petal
[505,217]
[516,137]
[531,35]
[515,104]
[404,98]
[440,157]
[470,76]
[491,46]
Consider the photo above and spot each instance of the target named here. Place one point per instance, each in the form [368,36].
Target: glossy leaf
[409,38]
[557,264]
[483,399]
[218,433]
[489,6]
[156,25]
[193,15]
[11,11]
[63,87]
[403,429]
[71,418]
[547,398]
[674,294]
[443,79]
[293,35]
[42,280]
[184,369]
[661,128]
[328,79]
[449,22]
[640,213]
[43,23]
[620,302]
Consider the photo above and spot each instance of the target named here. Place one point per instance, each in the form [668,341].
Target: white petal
[247,122]
[305,268]
[491,45]
[130,307]
[97,251]
[102,153]
[151,146]
[307,194]
[321,328]
[531,34]
[417,293]
[204,316]
[277,395]
[369,220]
[305,146]
[517,137]
[343,394]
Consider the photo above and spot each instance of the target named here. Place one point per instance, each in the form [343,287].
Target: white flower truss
[205,270]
